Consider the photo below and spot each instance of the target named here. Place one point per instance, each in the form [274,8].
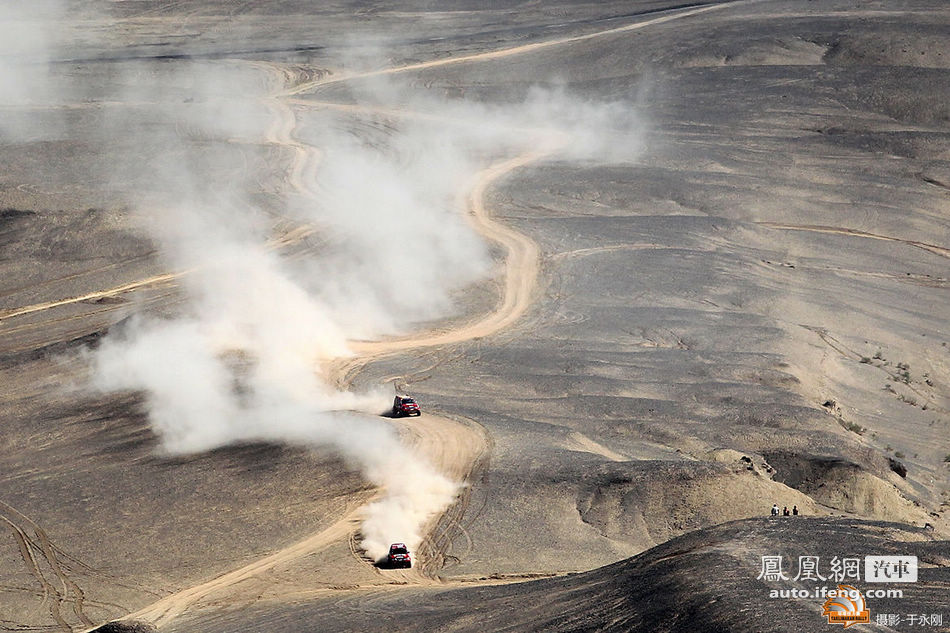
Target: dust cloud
[222,170]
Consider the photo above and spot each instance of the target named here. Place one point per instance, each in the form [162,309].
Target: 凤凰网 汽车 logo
[877,569]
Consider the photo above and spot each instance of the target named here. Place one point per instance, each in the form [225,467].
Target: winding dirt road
[520,275]
[453,446]
[281,133]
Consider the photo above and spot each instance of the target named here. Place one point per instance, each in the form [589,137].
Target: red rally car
[398,556]
[403,405]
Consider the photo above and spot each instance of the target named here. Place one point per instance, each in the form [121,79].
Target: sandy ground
[750,313]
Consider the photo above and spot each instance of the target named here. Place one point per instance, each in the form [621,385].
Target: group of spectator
[784,511]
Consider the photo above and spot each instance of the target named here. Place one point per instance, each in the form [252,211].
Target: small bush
[897,467]
[854,428]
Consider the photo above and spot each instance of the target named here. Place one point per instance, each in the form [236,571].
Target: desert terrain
[648,267]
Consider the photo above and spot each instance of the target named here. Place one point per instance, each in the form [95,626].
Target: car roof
[394,545]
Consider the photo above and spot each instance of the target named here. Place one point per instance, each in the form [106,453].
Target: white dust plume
[230,178]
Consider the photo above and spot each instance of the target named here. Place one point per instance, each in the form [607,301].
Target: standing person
[795,510]
[785,512]
[774,509]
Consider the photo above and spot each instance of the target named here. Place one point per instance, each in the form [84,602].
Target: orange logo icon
[847,607]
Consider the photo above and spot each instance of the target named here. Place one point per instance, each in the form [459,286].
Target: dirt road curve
[520,275]
[452,446]
[306,157]
[174,605]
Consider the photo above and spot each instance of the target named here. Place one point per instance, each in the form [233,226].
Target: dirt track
[697,330]
[521,249]
[452,446]
[520,276]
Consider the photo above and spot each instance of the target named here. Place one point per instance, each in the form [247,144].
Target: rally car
[403,405]
[398,556]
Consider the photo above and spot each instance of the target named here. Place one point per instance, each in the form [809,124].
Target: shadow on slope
[703,581]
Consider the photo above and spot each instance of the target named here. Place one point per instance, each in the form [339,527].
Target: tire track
[90,296]
[845,352]
[448,526]
[26,552]
[55,280]
[40,547]
[358,553]
[282,241]
[50,553]
[838,230]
